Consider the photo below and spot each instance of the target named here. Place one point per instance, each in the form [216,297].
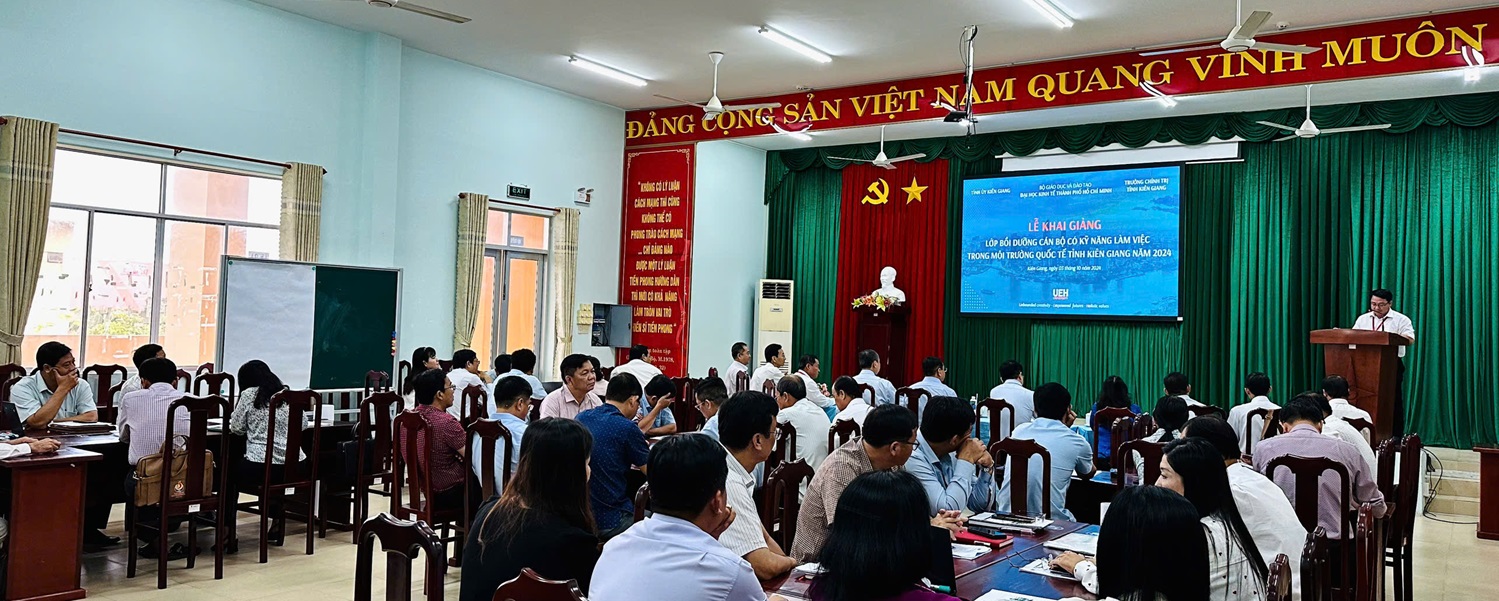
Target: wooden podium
[1368,360]
[885,332]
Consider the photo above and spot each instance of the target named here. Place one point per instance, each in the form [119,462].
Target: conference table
[996,570]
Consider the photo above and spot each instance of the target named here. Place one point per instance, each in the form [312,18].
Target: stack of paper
[1077,542]
[998,595]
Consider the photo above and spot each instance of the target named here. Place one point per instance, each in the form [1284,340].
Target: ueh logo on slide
[1058,294]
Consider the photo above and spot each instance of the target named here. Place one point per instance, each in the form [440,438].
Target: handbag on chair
[151,469]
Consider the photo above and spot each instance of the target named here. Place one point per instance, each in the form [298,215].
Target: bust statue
[887,285]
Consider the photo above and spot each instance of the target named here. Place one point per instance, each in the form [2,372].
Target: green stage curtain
[1288,241]
[803,247]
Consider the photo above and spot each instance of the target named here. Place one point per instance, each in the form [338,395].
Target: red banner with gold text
[656,251]
[1375,49]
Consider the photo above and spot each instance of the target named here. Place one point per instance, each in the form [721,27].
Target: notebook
[1084,541]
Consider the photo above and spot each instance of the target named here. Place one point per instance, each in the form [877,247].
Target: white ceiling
[666,41]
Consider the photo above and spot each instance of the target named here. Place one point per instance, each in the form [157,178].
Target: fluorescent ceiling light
[795,44]
[606,71]
[1052,11]
[1162,96]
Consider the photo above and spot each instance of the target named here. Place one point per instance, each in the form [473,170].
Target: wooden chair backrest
[1103,420]
[604,373]
[376,381]
[1150,454]
[1308,472]
[1253,435]
[1370,554]
[206,368]
[5,387]
[413,442]
[867,393]
[1201,410]
[474,405]
[11,370]
[1398,476]
[913,398]
[995,407]
[403,369]
[401,541]
[374,431]
[491,435]
[1316,573]
[299,404]
[530,586]
[103,381]
[642,501]
[216,383]
[199,409]
[769,387]
[684,405]
[1018,472]
[1365,428]
[184,381]
[741,382]
[1279,584]
[782,502]
[842,431]
[445,365]
[713,372]
[785,446]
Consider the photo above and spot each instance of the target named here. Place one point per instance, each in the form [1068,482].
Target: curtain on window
[473,218]
[563,285]
[27,148]
[301,212]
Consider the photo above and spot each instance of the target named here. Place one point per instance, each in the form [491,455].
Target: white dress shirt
[1344,410]
[856,410]
[1191,402]
[1230,576]
[811,424]
[934,387]
[1393,322]
[538,391]
[767,372]
[730,376]
[1340,429]
[745,535]
[131,384]
[814,392]
[643,372]
[8,450]
[142,420]
[1240,414]
[461,379]
[1017,395]
[669,559]
[884,391]
[1270,518]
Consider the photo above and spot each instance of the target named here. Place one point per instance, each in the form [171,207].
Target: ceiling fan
[1241,38]
[880,160]
[416,8]
[715,107]
[1309,129]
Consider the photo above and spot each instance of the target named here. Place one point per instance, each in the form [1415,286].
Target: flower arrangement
[878,301]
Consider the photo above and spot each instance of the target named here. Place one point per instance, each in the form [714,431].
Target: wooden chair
[1369,542]
[376,381]
[491,435]
[530,586]
[782,500]
[642,501]
[995,407]
[5,386]
[474,404]
[867,393]
[842,431]
[1150,461]
[913,397]
[785,447]
[401,541]
[1018,473]
[183,381]
[103,383]
[741,382]
[605,371]
[7,425]
[412,495]
[1103,420]
[1278,587]
[1316,575]
[1365,428]
[684,405]
[1266,415]
[403,369]
[192,500]
[372,447]
[1307,473]
[713,372]
[1399,474]
[216,384]
[299,475]
[769,387]
[1199,411]
[206,368]
[11,370]
[445,365]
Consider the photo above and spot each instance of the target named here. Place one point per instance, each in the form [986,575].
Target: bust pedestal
[884,330]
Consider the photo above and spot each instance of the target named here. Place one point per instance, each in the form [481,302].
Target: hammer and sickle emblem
[881,192]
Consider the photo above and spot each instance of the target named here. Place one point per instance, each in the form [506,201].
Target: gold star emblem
[913,191]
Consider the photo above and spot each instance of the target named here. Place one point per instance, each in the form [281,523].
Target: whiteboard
[267,313]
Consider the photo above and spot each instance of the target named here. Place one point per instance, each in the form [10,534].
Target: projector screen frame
[1181,243]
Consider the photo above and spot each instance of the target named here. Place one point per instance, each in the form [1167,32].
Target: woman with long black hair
[422,359]
[1151,547]
[543,520]
[252,419]
[880,544]
[1194,469]
[1113,395]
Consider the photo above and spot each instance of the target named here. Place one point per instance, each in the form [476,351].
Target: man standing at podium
[1381,317]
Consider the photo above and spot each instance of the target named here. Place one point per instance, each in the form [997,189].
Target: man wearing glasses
[1381,317]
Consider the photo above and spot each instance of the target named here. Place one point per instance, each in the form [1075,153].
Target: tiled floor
[1449,564]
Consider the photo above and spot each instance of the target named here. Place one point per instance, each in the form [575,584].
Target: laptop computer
[942,572]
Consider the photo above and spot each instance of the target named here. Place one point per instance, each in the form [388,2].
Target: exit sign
[518,192]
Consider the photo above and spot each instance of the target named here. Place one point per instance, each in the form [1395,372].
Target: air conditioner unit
[773,319]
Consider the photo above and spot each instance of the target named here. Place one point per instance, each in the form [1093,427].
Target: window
[133,251]
[513,284]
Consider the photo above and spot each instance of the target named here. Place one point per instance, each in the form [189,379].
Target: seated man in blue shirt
[711,394]
[659,391]
[512,401]
[869,373]
[678,542]
[951,483]
[523,365]
[618,445]
[933,383]
[1052,429]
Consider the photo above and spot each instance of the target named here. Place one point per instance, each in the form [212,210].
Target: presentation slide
[1103,243]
